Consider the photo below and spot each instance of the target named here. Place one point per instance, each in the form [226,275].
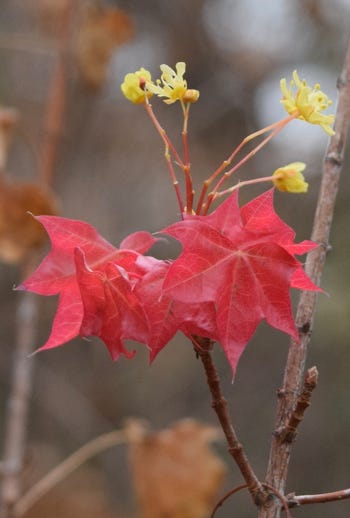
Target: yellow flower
[173,86]
[135,84]
[307,102]
[290,178]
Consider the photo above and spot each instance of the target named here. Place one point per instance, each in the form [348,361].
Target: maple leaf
[92,279]
[243,261]
[166,316]
[111,310]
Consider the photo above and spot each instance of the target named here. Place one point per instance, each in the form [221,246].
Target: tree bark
[287,397]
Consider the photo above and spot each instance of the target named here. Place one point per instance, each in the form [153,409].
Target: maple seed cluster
[236,267]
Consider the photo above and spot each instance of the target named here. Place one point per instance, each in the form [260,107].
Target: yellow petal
[134,86]
[306,102]
[290,178]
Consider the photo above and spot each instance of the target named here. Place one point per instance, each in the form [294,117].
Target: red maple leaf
[94,281]
[243,261]
[166,316]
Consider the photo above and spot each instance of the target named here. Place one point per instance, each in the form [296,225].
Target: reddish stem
[162,133]
[175,183]
[245,159]
[187,167]
[226,497]
[206,184]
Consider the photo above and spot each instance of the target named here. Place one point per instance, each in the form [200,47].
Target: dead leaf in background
[175,473]
[19,232]
[100,32]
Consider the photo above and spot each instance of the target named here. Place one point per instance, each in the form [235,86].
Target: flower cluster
[307,102]
[137,87]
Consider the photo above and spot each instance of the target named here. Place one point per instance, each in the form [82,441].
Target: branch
[56,102]
[280,450]
[203,347]
[288,434]
[322,498]
[18,402]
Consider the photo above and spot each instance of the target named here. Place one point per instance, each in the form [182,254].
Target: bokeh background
[111,172]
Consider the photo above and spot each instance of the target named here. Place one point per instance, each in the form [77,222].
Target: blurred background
[110,171]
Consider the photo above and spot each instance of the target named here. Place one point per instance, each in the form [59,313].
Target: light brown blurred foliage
[176,474]
[50,14]
[19,231]
[99,33]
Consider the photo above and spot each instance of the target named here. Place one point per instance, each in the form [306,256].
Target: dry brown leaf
[100,32]
[175,473]
[19,231]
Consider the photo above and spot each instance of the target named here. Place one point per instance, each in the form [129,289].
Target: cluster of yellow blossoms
[304,103]
[307,103]
[137,87]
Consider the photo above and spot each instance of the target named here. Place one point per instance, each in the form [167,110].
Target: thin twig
[226,497]
[203,347]
[280,450]
[322,498]
[18,402]
[61,472]
[288,434]
[56,101]
[278,126]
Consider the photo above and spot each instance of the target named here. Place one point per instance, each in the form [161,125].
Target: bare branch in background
[18,403]
[27,312]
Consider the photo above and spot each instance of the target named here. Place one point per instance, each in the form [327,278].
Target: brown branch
[288,434]
[56,101]
[280,450]
[296,500]
[203,349]
[281,498]
[18,402]
[27,311]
